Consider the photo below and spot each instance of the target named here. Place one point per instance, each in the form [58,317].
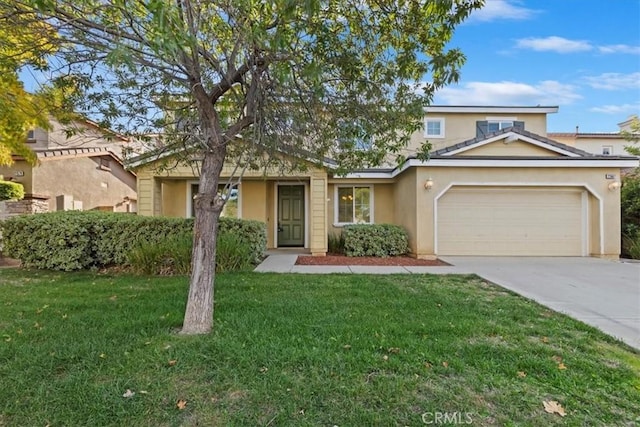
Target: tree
[24,41]
[246,81]
[633,136]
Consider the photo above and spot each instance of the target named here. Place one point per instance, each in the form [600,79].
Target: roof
[573,152]
[603,135]
[491,109]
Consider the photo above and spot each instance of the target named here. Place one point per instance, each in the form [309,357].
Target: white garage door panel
[510,221]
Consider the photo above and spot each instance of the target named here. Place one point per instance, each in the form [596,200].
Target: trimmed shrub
[79,240]
[630,210]
[11,190]
[380,240]
[335,243]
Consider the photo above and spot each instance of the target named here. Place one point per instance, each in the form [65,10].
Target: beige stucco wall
[516,148]
[461,127]
[407,208]
[174,197]
[422,230]
[19,167]
[253,196]
[85,181]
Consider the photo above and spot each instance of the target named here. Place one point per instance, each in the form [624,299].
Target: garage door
[524,221]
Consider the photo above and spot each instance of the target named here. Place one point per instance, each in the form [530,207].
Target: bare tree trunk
[198,317]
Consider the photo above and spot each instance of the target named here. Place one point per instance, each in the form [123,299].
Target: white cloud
[500,10]
[617,109]
[620,48]
[548,92]
[614,81]
[553,44]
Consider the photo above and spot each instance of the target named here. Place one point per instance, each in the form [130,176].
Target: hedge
[380,240]
[11,190]
[78,240]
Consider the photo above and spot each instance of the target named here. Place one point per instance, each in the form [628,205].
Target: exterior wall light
[614,185]
[428,184]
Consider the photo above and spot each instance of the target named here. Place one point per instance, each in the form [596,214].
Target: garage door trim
[526,184]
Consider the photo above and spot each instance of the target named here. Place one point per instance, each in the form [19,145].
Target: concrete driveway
[601,293]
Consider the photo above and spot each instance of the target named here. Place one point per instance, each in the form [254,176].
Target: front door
[290,215]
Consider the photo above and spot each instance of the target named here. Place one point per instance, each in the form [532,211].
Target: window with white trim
[607,150]
[354,205]
[434,127]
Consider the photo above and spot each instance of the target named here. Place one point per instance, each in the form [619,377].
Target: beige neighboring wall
[84,180]
[20,171]
[174,197]
[515,148]
[422,230]
[594,143]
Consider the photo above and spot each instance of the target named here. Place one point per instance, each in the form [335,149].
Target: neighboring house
[605,143]
[495,185]
[82,171]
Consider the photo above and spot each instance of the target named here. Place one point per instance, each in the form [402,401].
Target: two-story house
[495,185]
[79,167]
[605,143]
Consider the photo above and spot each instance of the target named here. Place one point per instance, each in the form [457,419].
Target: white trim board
[499,163]
[489,109]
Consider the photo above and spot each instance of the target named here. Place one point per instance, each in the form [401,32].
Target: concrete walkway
[601,293]
[285,263]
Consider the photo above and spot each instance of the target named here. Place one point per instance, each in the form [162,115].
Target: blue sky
[581,55]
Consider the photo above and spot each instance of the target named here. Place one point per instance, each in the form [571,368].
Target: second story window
[495,125]
[607,150]
[31,136]
[434,128]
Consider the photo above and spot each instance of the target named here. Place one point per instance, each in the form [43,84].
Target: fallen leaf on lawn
[143,392]
[37,326]
[147,343]
[113,297]
[385,357]
[522,374]
[301,411]
[394,350]
[427,365]
[264,369]
[103,356]
[129,393]
[19,332]
[557,359]
[167,347]
[7,338]
[181,404]
[544,340]
[172,362]
[346,347]
[445,364]
[553,407]
[64,316]
[561,366]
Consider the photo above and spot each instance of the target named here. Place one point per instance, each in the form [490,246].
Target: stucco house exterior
[83,171]
[605,143]
[495,185]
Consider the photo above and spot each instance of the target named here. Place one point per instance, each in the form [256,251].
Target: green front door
[290,215]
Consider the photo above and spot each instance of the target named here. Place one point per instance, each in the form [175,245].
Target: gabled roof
[513,133]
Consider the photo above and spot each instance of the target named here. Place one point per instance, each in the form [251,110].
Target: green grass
[300,350]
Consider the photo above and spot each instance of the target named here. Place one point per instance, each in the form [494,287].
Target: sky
[580,55]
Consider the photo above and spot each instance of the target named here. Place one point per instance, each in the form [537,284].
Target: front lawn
[303,350]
